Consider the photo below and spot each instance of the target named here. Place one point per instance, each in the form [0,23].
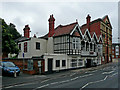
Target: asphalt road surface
[103,77]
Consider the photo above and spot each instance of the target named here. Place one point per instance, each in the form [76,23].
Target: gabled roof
[21,39]
[94,21]
[106,17]
[97,20]
[100,38]
[77,31]
[95,36]
[84,26]
[66,29]
[62,30]
[85,33]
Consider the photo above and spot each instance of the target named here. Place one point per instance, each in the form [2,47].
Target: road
[97,77]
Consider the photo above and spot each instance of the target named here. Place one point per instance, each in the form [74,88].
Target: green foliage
[9,34]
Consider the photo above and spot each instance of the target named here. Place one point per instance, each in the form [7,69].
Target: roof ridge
[91,21]
[68,24]
[104,17]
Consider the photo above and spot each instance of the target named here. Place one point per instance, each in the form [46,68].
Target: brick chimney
[26,31]
[51,26]
[88,21]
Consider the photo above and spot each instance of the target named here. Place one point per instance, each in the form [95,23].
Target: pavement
[42,80]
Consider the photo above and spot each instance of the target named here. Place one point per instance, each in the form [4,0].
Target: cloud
[36,14]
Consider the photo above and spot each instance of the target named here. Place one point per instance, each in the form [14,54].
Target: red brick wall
[95,27]
[19,63]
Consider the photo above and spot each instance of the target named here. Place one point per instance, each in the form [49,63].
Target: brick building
[101,26]
[115,50]
[63,47]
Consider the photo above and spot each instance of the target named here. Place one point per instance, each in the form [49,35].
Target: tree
[9,34]
[13,31]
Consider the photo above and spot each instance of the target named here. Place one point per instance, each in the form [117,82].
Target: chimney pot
[51,26]
[26,31]
[88,21]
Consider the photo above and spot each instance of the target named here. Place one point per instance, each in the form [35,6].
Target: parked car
[9,68]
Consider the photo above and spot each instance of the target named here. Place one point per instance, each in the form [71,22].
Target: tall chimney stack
[88,21]
[27,31]
[51,26]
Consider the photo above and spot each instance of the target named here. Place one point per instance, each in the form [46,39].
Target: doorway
[50,65]
[88,64]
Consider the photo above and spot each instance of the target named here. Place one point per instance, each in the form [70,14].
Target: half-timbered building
[65,47]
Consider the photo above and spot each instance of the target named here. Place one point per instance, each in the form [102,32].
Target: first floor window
[76,43]
[37,45]
[63,63]
[57,63]
[25,47]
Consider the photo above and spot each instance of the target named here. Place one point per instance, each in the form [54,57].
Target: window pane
[25,47]
[63,63]
[74,63]
[57,63]
[38,45]
[80,62]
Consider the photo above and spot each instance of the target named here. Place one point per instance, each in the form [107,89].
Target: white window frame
[76,43]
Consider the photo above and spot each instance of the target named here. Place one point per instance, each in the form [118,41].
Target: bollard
[15,73]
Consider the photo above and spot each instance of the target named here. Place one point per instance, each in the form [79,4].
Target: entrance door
[50,64]
[88,64]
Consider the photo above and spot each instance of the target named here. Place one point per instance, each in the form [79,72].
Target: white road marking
[84,86]
[63,81]
[42,86]
[93,82]
[72,74]
[18,85]
[86,75]
[94,71]
[54,83]
[45,80]
[114,74]
[108,72]
[74,78]
[91,71]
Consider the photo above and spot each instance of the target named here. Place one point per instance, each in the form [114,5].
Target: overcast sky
[36,14]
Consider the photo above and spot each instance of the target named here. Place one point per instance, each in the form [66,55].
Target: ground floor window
[57,63]
[74,63]
[63,63]
[80,62]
